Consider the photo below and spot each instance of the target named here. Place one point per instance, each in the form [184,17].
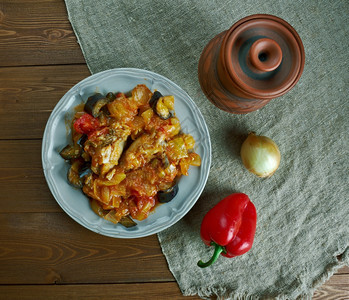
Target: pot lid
[264,56]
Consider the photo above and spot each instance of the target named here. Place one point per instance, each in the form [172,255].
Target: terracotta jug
[259,58]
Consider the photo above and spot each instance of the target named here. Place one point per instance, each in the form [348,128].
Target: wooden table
[43,253]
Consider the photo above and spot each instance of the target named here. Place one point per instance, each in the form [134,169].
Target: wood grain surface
[44,254]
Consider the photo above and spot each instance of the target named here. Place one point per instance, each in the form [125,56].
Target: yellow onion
[260,155]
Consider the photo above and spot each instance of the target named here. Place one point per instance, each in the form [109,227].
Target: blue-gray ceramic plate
[57,135]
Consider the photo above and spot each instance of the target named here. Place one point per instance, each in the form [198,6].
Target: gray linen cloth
[302,233]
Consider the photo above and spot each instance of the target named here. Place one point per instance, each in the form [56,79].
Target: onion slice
[260,155]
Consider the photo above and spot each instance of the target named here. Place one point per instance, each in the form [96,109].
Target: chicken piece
[142,150]
[105,148]
[109,156]
[111,153]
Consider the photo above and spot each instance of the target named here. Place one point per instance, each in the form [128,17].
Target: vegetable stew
[128,153]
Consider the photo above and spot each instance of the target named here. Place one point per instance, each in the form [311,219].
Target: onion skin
[260,155]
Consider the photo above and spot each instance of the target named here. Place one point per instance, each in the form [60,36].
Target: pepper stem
[217,251]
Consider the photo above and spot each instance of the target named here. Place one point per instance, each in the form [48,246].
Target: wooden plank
[37,33]
[338,279]
[164,291]
[47,248]
[344,270]
[25,190]
[22,183]
[29,94]
[20,154]
[336,288]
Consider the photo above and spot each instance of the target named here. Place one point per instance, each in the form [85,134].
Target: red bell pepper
[230,227]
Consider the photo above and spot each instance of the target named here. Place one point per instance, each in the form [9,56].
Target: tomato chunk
[86,124]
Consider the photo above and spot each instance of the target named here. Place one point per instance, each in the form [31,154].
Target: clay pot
[259,58]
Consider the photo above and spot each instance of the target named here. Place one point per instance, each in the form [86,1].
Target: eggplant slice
[73,174]
[95,103]
[168,195]
[156,96]
[127,222]
[110,96]
[70,152]
[81,141]
[85,169]
[160,106]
